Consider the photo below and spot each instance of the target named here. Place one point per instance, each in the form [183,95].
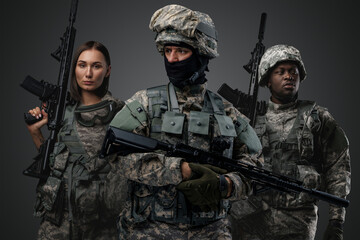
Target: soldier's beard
[190,71]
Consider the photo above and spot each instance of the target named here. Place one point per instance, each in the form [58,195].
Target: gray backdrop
[326,33]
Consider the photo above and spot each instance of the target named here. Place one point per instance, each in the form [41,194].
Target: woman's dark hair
[75,90]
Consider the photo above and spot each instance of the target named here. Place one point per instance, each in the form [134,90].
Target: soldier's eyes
[293,72]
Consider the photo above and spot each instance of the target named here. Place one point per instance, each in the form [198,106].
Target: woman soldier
[75,200]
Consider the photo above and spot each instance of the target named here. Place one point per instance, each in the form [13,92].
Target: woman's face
[91,69]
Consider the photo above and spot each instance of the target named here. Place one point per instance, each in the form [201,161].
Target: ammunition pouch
[166,204]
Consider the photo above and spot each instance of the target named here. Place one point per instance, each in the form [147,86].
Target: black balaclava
[190,71]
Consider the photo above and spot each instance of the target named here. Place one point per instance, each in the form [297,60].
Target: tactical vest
[72,186]
[294,156]
[199,129]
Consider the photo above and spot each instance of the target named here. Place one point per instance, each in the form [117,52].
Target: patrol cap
[276,54]
[176,24]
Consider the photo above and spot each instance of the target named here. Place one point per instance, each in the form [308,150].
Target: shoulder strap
[158,103]
[69,118]
[213,103]
[172,103]
[306,106]
[157,96]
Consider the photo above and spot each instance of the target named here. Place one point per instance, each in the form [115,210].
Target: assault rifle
[247,103]
[123,142]
[55,97]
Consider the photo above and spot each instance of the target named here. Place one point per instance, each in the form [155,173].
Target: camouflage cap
[175,24]
[276,54]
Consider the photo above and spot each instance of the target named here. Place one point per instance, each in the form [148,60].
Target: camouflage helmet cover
[276,54]
[176,24]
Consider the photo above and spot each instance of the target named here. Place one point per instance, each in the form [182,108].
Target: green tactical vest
[293,157]
[71,186]
[169,124]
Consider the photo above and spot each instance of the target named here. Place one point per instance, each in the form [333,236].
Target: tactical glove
[203,189]
[334,230]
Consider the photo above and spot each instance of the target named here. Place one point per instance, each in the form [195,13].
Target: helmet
[276,54]
[178,24]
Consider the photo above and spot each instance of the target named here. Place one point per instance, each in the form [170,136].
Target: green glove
[215,169]
[203,189]
[334,230]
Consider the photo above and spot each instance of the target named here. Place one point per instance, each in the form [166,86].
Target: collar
[280,107]
[190,91]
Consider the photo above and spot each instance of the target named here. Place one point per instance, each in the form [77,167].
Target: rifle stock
[241,100]
[123,142]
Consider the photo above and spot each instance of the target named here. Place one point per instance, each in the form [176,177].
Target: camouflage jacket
[329,157]
[156,169]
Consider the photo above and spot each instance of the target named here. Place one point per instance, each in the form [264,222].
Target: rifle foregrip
[30,119]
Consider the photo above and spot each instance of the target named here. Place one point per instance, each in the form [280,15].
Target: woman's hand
[35,129]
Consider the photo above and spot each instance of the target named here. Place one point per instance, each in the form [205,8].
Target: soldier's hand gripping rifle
[247,103]
[55,97]
[123,142]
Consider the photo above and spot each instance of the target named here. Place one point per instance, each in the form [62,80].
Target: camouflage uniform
[181,113]
[150,211]
[300,140]
[82,196]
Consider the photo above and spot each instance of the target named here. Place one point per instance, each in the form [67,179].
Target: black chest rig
[202,129]
[293,156]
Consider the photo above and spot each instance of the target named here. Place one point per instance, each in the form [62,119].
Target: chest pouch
[226,125]
[173,122]
[199,122]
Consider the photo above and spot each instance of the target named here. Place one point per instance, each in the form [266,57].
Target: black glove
[203,189]
[334,230]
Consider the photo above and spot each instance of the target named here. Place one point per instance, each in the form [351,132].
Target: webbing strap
[172,97]
[300,113]
[207,29]
[215,107]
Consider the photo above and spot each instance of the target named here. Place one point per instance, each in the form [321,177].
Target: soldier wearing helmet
[301,140]
[169,197]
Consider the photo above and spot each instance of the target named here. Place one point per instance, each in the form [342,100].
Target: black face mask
[190,71]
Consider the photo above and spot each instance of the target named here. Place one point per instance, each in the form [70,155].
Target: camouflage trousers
[95,230]
[218,230]
[276,224]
